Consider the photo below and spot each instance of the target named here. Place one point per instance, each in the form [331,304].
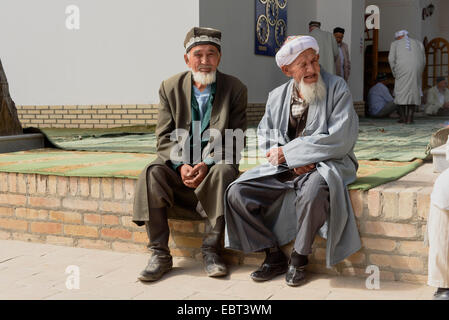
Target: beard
[204,78]
[313,92]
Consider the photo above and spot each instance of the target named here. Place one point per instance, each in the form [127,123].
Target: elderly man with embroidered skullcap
[343,62]
[188,178]
[407,61]
[308,133]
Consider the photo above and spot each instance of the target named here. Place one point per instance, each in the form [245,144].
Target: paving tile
[37,271]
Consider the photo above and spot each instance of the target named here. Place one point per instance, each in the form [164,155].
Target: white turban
[293,47]
[404,33]
[401,33]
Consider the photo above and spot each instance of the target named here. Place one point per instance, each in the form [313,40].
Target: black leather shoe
[157,266]
[441,294]
[295,276]
[214,264]
[268,271]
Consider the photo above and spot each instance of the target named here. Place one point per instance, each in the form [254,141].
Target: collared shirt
[202,98]
[298,115]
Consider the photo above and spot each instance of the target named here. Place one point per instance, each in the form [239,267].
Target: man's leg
[210,194]
[410,111]
[163,185]
[388,109]
[312,209]
[247,202]
[402,110]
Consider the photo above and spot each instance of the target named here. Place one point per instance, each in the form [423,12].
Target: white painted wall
[442,10]
[235,18]
[397,15]
[121,53]
[430,26]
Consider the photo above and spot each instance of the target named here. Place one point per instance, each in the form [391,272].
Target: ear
[286,71]
[186,59]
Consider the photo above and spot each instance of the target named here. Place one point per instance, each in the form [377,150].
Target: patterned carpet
[386,151]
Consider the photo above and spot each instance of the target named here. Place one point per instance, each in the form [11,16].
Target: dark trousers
[248,201]
[166,190]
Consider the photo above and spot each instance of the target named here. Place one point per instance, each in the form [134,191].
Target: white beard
[313,92]
[204,78]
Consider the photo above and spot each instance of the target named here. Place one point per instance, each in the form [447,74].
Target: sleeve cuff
[209,162]
[175,165]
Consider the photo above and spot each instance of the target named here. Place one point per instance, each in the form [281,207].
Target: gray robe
[328,49]
[330,135]
[407,67]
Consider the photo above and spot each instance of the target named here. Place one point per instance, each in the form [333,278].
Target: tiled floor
[38,271]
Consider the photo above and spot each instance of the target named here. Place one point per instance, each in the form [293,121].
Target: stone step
[96,213]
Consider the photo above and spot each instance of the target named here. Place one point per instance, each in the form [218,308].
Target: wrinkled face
[442,84]
[339,36]
[203,58]
[305,66]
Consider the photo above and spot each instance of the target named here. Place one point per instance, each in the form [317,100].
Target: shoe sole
[296,284]
[216,273]
[267,279]
[146,279]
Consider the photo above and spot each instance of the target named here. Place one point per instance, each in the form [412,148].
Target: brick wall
[95,116]
[96,213]
[108,116]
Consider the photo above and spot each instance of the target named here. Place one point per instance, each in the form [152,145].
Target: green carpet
[379,139]
[385,139]
[129,165]
[124,152]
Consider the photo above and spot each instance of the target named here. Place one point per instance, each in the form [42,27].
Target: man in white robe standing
[307,133]
[329,51]
[407,61]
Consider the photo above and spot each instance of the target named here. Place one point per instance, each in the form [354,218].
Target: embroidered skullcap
[198,35]
[339,30]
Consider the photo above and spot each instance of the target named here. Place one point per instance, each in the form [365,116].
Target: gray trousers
[248,201]
[388,109]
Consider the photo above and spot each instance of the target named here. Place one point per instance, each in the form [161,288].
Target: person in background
[438,99]
[380,101]
[343,63]
[328,46]
[407,60]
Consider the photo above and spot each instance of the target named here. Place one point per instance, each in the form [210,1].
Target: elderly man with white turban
[407,61]
[307,133]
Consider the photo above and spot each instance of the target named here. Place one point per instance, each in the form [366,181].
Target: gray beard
[314,92]
[204,78]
